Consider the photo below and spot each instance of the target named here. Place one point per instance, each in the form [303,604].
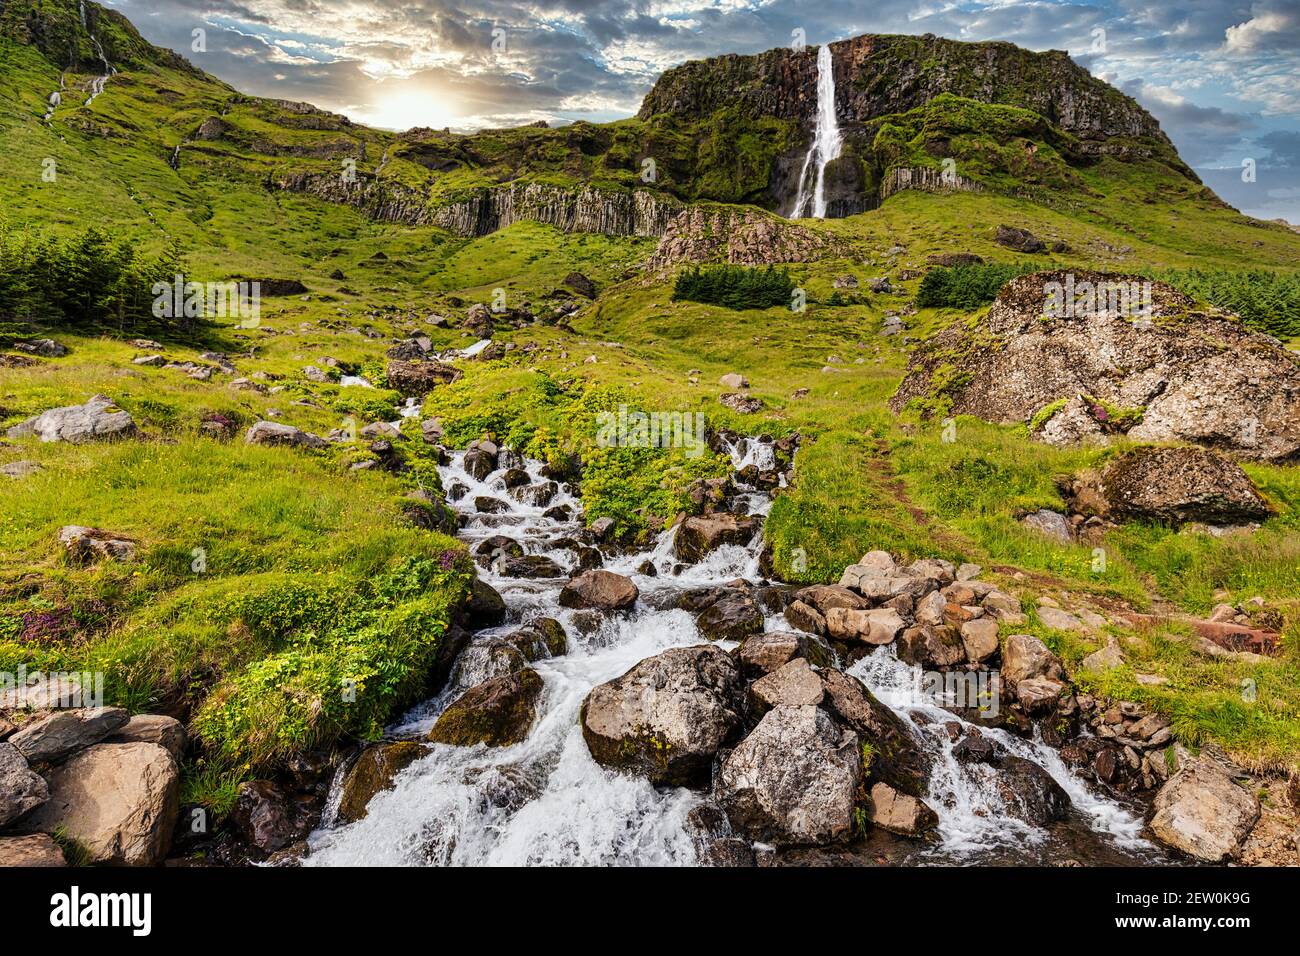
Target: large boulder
[897,756]
[419,378]
[600,589]
[267,818]
[21,789]
[1204,813]
[118,801]
[668,716]
[1028,791]
[794,779]
[498,712]
[1189,376]
[794,684]
[1176,485]
[763,653]
[96,420]
[372,772]
[876,626]
[64,732]
[700,534]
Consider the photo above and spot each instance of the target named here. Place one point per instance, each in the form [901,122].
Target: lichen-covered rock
[1204,813]
[793,684]
[419,378]
[275,433]
[731,618]
[668,716]
[897,756]
[1177,485]
[34,849]
[793,780]
[1025,657]
[763,653]
[96,420]
[498,712]
[1201,378]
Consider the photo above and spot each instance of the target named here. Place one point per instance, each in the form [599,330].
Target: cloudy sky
[1222,76]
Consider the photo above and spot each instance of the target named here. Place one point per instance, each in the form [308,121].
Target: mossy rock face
[497,712]
[372,773]
[485,608]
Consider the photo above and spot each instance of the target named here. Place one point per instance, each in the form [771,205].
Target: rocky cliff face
[605,211]
[879,75]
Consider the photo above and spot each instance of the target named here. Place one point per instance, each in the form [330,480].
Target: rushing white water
[96,84]
[545,801]
[811,197]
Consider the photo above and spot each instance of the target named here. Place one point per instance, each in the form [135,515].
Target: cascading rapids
[545,801]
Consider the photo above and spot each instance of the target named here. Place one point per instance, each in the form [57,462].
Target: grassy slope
[866,480]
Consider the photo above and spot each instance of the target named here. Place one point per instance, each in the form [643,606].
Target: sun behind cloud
[402,105]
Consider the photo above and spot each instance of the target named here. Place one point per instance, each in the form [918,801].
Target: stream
[545,801]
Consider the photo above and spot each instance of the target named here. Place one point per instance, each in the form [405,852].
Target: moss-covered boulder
[372,773]
[497,712]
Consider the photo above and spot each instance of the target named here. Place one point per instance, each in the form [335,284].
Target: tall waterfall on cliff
[825,145]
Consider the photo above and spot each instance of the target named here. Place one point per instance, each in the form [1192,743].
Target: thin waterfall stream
[545,801]
[811,196]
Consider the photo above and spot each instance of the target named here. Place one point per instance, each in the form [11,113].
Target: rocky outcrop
[1202,812]
[419,378]
[926,179]
[745,237]
[64,732]
[589,209]
[96,420]
[118,801]
[668,716]
[1151,366]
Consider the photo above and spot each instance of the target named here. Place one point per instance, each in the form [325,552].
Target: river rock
[166,732]
[700,534]
[793,780]
[763,653]
[875,626]
[275,433]
[599,589]
[899,813]
[484,607]
[668,716]
[1026,657]
[823,597]
[1028,791]
[898,758]
[267,818]
[530,566]
[21,789]
[498,712]
[805,617]
[373,772]
[793,684]
[118,801]
[96,420]
[64,732]
[930,646]
[1204,813]
[35,849]
[731,618]
[1177,485]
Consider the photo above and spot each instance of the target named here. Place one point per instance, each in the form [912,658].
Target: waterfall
[97,84]
[825,145]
